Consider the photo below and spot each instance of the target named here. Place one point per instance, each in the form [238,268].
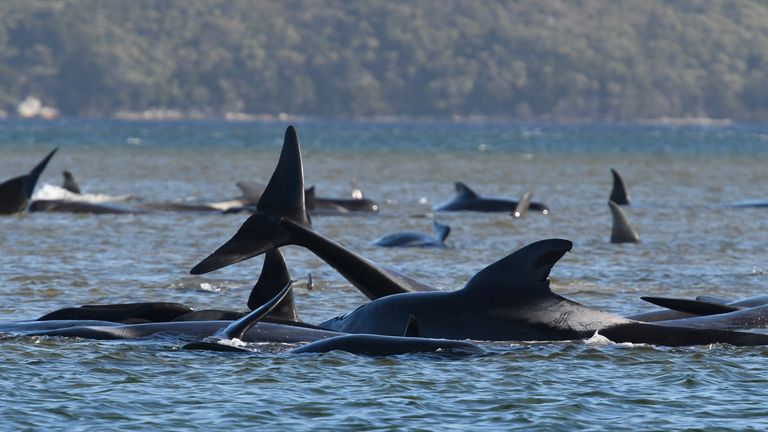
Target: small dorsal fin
[412,329]
[310,282]
[237,329]
[274,276]
[309,197]
[464,191]
[522,274]
[521,209]
[69,182]
[694,307]
[284,194]
[250,191]
[441,231]
[619,193]
[622,231]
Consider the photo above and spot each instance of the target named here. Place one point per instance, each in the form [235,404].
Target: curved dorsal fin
[521,209]
[250,191]
[464,191]
[619,193]
[274,276]
[441,231]
[309,197]
[237,329]
[284,194]
[522,274]
[622,231]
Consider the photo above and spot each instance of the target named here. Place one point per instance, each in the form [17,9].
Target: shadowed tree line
[528,59]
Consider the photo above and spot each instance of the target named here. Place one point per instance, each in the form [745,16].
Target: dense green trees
[527,59]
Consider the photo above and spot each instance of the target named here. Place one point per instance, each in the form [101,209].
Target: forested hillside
[528,59]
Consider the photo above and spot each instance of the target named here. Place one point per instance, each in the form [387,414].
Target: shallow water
[679,178]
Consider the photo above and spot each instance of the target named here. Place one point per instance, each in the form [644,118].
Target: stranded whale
[467,199]
[416,239]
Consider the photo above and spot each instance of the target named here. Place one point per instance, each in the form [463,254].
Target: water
[691,245]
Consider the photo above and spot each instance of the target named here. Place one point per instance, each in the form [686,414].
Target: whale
[15,193]
[314,204]
[511,300]
[80,207]
[468,200]
[281,219]
[621,230]
[374,345]
[676,308]
[619,192]
[416,239]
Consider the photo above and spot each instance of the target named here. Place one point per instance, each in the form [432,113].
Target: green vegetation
[529,59]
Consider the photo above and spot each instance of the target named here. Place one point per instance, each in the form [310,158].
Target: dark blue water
[691,245]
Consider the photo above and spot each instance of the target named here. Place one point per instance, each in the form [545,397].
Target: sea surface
[681,180]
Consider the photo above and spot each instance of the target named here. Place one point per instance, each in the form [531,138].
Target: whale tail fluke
[619,193]
[622,231]
[523,274]
[16,192]
[283,198]
[521,209]
[441,231]
[274,276]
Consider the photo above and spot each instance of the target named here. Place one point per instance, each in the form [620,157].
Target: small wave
[51,192]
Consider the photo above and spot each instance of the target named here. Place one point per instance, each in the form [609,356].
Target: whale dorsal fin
[412,329]
[309,197]
[521,209]
[522,274]
[694,307]
[250,191]
[284,194]
[622,231]
[237,329]
[274,276]
[619,193]
[69,182]
[441,231]
[464,191]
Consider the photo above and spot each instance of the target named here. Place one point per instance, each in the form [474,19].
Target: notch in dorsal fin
[521,209]
[441,231]
[464,191]
[274,276]
[412,329]
[522,274]
[284,194]
[693,307]
[619,193]
[622,231]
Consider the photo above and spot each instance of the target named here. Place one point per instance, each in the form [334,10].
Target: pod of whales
[16,192]
[508,300]
[467,199]
[416,239]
